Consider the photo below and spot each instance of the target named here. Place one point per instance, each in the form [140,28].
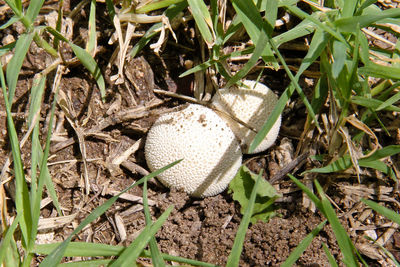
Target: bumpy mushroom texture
[210,152]
[252,105]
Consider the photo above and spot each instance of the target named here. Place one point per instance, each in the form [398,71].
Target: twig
[285,170]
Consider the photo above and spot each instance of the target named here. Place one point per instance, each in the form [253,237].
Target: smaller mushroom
[209,149]
[252,105]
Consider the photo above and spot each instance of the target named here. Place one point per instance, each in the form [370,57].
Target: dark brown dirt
[202,229]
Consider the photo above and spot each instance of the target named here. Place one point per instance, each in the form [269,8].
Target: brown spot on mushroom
[202,118]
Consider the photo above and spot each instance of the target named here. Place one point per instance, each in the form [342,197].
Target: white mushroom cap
[251,105]
[210,152]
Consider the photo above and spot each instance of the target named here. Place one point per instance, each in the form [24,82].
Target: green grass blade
[302,246]
[92,40]
[250,17]
[234,256]
[306,190]
[353,24]
[340,56]
[304,28]
[171,12]
[33,9]
[55,256]
[328,254]
[340,164]
[388,213]
[83,249]
[15,64]
[90,64]
[252,21]
[317,45]
[111,10]
[349,8]
[203,20]
[260,46]
[363,6]
[7,48]
[380,166]
[156,257]
[393,99]
[295,84]
[384,152]
[271,15]
[34,108]
[43,165]
[5,242]
[380,71]
[86,59]
[10,22]
[16,7]
[22,201]
[90,263]
[303,15]
[132,252]
[211,62]
[387,252]
[235,25]
[346,247]
[12,257]
[372,103]
[157,5]
[150,33]
[276,112]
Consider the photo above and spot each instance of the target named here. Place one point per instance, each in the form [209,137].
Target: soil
[202,229]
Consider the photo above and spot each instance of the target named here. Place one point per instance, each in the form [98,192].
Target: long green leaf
[301,14]
[90,64]
[255,26]
[203,20]
[55,256]
[328,254]
[83,249]
[171,12]
[132,252]
[92,40]
[22,200]
[384,152]
[389,102]
[15,64]
[111,10]
[349,8]
[353,24]
[86,59]
[34,108]
[388,213]
[157,5]
[318,43]
[260,45]
[43,165]
[10,22]
[33,9]
[372,103]
[234,256]
[308,192]
[5,242]
[346,247]
[302,246]
[156,256]
[380,71]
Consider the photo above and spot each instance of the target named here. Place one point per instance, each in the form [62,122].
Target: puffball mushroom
[210,152]
[251,105]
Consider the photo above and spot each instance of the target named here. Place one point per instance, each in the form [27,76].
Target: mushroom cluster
[210,145]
